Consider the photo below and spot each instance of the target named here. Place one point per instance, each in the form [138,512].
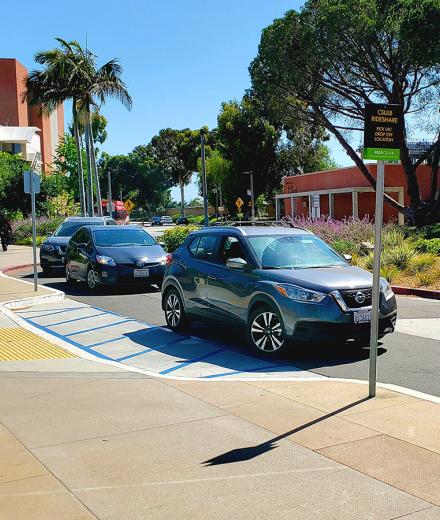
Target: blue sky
[181,58]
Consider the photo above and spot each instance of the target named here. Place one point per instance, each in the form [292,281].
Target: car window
[67,229]
[230,248]
[81,237]
[204,247]
[111,222]
[122,236]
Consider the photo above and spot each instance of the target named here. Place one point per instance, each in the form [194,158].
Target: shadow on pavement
[250,452]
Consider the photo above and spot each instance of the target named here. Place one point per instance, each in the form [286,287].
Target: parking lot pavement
[156,350]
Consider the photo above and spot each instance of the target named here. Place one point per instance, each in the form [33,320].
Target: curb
[422,293]
[55,296]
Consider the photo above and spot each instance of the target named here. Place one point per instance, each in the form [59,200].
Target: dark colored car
[53,249]
[280,284]
[104,255]
[161,221]
[183,221]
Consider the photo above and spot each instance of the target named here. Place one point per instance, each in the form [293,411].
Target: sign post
[382,137]
[32,185]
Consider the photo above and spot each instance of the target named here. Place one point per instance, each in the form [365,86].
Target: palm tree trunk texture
[90,211]
[95,170]
[82,198]
[182,198]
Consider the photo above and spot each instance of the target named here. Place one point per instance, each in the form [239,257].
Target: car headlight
[385,287]
[105,260]
[299,294]
[47,247]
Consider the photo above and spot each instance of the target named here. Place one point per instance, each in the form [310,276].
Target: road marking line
[235,372]
[75,319]
[57,312]
[192,361]
[104,342]
[100,327]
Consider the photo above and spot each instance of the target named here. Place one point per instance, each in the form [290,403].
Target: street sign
[249,193]
[27,179]
[239,203]
[382,132]
[316,201]
[128,205]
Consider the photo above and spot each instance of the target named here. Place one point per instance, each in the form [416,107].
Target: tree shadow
[250,452]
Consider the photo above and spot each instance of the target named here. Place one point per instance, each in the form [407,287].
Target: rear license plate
[362,316]
[141,273]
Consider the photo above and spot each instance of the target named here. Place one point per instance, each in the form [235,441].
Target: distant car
[103,255]
[53,249]
[161,221]
[182,221]
[280,284]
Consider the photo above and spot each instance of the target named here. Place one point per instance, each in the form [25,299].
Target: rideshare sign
[383,131]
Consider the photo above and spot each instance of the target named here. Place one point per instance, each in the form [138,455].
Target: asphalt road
[406,360]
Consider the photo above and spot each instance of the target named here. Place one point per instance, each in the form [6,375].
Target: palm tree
[70,73]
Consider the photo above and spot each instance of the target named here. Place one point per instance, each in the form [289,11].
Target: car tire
[265,331]
[175,314]
[90,279]
[69,279]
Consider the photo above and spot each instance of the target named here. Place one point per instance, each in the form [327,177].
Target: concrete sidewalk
[81,440]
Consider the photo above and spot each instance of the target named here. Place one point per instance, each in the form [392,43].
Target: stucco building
[23,128]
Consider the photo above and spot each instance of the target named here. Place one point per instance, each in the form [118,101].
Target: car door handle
[212,277]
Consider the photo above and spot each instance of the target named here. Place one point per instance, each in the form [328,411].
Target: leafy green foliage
[174,237]
[421,262]
[431,245]
[22,231]
[12,197]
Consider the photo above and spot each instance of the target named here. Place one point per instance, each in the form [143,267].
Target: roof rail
[267,223]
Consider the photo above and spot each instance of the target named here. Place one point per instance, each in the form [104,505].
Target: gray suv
[279,283]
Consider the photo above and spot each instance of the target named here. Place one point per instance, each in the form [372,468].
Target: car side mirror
[349,258]
[236,263]
[162,244]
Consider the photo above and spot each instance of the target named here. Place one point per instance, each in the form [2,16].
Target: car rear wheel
[265,331]
[175,314]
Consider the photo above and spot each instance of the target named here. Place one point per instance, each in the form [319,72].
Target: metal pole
[34,229]
[252,195]
[89,191]
[204,181]
[376,277]
[109,184]
[120,195]
[95,171]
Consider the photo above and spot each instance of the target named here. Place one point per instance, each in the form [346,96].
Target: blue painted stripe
[57,312]
[68,340]
[75,319]
[54,309]
[105,341]
[191,361]
[150,349]
[235,372]
[98,328]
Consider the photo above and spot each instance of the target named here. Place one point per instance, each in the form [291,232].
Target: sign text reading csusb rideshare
[383,128]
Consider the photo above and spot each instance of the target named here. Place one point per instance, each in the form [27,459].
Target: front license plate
[362,316]
[141,273]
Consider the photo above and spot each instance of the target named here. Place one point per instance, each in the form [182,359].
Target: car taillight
[168,259]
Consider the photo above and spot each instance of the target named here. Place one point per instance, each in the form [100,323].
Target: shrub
[344,246]
[432,231]
[22,229]
[173,237]
[353,229]
[390,272]
[27,241]
[421,262]
[431,245]
[392,237]
[399,255]
[366,262]
[428,277]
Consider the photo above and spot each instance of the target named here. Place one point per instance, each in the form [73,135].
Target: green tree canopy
[320,66]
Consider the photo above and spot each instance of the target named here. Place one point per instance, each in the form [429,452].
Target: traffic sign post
[239,203]
[128,205]
[31,181]
[382,137]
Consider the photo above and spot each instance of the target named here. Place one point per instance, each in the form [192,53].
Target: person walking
[5,232]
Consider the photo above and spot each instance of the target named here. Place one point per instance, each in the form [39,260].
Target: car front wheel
[91,279]
[265,331]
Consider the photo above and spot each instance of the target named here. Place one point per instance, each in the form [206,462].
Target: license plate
[362,316]
[141,273]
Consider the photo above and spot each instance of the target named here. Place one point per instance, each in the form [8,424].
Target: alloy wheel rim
[173,310]
[91,279]
[267,332]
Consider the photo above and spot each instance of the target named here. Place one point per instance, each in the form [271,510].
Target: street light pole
[251,176]
[110,202]
[204,181]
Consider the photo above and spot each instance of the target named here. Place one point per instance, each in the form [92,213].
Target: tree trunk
[182,198]
[95,169]
[90,211]
[82,201]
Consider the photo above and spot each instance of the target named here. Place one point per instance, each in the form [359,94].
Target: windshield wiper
[277,267]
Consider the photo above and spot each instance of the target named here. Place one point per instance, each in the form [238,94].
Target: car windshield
[122,237]
[67,229]
[294,252]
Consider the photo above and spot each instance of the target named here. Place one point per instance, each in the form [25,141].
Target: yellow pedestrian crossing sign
[239,203]
[128,205]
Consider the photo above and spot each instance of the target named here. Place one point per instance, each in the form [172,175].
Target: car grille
[134,266]
[350,300]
